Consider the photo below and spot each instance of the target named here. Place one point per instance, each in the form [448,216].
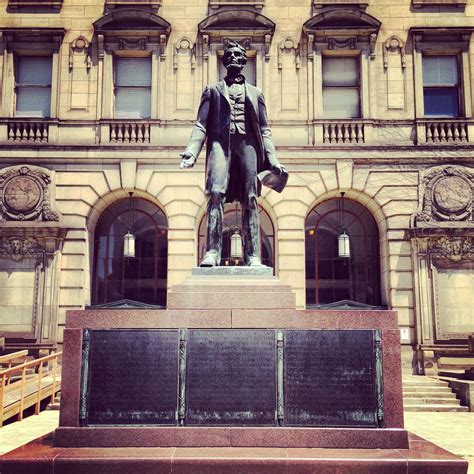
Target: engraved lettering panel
[133,377]
[329,378]
[231,377]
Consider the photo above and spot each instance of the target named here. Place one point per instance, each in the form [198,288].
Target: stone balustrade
[30,131]
[134,132]
[446,131]
[339,132]
[350,133]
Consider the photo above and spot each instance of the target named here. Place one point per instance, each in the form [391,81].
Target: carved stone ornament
[80,45]
[454,249]
[137,43]
[286,46]
[24,194]
[446,195]
[184,46]
[18,248]
[394,45]
[347,43]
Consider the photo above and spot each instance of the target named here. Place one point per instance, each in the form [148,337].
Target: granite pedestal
[241,300]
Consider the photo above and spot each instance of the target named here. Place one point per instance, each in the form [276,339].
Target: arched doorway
[331,278]
[232,220]
[141,278]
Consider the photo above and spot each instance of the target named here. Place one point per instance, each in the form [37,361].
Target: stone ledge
[233,271]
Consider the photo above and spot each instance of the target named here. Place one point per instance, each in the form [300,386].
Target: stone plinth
[71,434]
[231,287]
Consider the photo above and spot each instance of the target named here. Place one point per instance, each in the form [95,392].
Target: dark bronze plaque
[132,377]
[231,377]
[330,378]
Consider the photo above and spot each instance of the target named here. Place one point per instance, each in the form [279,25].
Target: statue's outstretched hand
[187,160]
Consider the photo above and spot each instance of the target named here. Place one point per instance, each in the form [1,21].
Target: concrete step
[430,401]
[416,395]
[429,394]
[446,408]
[426,389]
[424,382]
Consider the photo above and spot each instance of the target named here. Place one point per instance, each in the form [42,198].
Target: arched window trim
[357,216]
[110,214]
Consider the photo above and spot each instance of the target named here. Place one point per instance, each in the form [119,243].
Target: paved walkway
[17,434]
[452,431]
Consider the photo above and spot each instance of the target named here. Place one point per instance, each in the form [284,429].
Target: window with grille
[142,278]
[331,278]
[33,76]
[132,86]
[441,86]
[341,87]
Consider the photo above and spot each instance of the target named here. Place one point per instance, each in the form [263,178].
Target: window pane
[133,72]
[440,70]
[33,70]
[441,102]
[33,102]
[341,102]
[340,71]
[132,103]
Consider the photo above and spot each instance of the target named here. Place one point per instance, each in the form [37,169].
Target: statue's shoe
[254,262]
[209,260]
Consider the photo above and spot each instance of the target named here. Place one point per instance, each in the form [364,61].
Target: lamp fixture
[129,238]
[343,241]
[236,241]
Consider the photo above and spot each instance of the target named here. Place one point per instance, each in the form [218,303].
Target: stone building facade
[371,99]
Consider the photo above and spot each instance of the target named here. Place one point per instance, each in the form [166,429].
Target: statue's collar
[240,79]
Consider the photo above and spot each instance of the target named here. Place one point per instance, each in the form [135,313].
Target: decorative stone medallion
[452,194]
[446,194]
[24,194]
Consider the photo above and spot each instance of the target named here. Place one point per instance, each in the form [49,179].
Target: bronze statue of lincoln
[233,118]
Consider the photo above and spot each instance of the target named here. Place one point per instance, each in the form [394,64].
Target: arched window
[329,277]
[232,220]
[141,278]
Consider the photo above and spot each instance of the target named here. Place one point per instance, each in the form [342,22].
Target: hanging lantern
[344,247]
[236,245]
[129,245]
[129,238]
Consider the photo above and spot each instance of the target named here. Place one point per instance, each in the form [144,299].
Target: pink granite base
[386,321]
[367,438]
[41,457]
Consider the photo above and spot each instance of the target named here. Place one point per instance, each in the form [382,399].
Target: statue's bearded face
[234,58]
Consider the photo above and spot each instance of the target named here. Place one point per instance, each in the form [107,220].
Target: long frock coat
[213,123]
